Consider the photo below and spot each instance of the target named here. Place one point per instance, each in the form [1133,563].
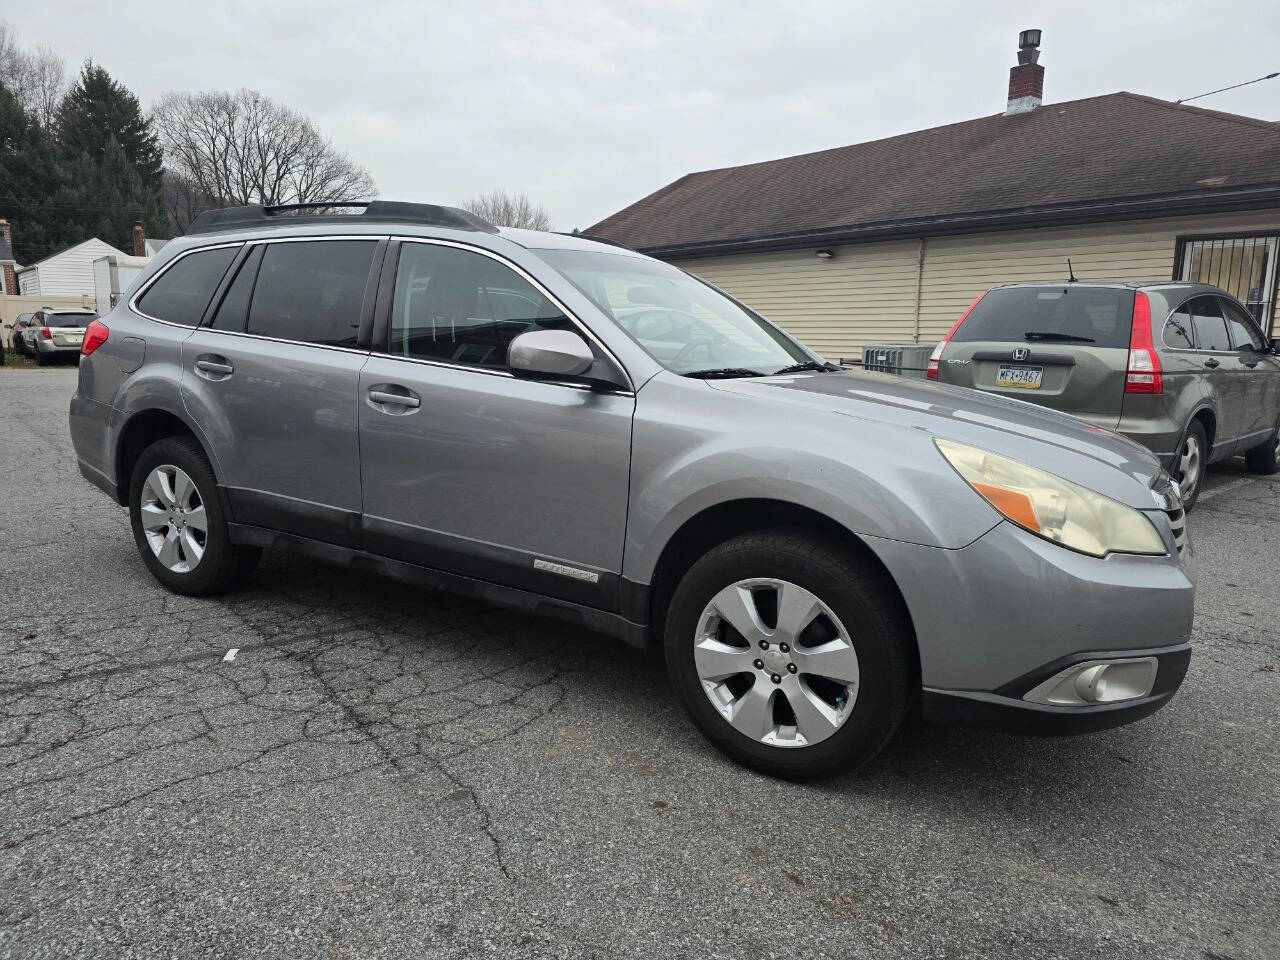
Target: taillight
[46,333]
[1143,374]
[936,357]
[95,335]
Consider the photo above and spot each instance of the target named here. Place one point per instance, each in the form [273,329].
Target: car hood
[1064,445]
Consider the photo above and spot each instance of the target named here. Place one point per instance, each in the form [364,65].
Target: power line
[1234,86]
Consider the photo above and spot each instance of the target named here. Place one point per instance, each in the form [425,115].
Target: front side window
[311,291]
[183,291]
[1211,329]
[1244,335]
[681,322]
[463,307]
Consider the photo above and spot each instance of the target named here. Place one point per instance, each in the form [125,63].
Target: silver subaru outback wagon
[569,428]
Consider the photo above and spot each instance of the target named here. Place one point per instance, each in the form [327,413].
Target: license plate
[1024,378]
[75,340]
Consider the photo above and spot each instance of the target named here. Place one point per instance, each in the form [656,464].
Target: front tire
[791,653]
[178,523]
[1265,458]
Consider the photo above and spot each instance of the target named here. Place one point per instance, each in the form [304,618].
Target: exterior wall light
[825,254]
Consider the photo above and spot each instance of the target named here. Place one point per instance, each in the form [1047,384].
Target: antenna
[1071,275]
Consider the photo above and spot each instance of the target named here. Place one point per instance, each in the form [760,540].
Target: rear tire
[1265,458]
[40,358]
[860,609]
[1189,463]
[159,478]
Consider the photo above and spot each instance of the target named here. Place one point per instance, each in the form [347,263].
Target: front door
[273,383]
[470,470]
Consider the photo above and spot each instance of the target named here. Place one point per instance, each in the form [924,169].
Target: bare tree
[230,149]
[38,80]
[509,210]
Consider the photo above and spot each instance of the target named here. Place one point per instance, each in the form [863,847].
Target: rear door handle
[387,395]
[1211,363]
[214,367]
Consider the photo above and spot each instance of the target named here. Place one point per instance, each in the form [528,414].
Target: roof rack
[371,211]
[596,237]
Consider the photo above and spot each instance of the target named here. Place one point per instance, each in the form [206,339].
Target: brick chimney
[140,238]
[1026,80]
[7,261]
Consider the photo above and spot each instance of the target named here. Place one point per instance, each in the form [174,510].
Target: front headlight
[1051,507]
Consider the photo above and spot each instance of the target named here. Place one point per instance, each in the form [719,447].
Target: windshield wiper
[808,365]
[1056,337]
[722,373]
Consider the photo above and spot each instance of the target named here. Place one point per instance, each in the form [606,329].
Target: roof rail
[597,238]
[370,211]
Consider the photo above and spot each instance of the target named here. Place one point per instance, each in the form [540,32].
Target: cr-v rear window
[1066,314]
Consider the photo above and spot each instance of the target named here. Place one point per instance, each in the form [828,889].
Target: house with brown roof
[889,241]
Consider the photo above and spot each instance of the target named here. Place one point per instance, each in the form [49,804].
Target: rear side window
[463,307]
[233,312]
[1177,330]
[311,291]
[1089,316]
[1244,335]
[183,291]
[1211,329]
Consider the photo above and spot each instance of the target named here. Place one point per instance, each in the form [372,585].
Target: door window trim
[383,349]
[133,301]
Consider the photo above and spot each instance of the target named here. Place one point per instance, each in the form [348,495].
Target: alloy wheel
[173,518]
[776,662]
[1190,464]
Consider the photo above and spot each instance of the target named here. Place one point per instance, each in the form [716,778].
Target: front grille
[1178,521]
[1170,501]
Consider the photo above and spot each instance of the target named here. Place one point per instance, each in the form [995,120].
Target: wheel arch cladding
[717,524]
[141,431]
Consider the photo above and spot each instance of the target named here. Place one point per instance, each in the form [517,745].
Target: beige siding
[868,292]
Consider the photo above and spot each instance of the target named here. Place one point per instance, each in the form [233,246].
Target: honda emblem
[1021,353]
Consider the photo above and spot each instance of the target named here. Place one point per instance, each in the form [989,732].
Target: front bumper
[1005,710]
[1006,612]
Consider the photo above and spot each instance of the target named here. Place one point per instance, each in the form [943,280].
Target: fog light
[1097,681]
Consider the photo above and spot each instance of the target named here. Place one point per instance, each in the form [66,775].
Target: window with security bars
[1245,267]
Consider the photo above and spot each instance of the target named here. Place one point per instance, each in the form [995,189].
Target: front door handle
[213,367]
[385,394]
[1211,363]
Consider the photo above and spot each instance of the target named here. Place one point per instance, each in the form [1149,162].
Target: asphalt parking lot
[381,772]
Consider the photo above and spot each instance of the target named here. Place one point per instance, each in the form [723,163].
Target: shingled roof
[1111,157]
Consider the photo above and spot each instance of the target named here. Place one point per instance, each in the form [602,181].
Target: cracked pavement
[384,772]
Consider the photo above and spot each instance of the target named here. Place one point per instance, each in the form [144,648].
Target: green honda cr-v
[1182,368]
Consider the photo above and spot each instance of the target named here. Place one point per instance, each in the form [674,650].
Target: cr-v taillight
[95,335]
[46,333]
[1143,374]
[936,357]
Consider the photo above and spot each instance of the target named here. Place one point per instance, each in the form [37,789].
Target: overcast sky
[589,106]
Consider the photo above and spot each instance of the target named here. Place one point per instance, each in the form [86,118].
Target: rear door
[1065,347]
[1226,377]
[272,379]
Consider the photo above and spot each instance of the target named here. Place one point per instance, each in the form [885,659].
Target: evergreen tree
[35,194]
[114,156]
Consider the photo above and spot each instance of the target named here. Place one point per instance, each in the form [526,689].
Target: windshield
[1093,316]
[685,325]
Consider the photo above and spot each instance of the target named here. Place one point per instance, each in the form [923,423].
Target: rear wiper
[807,365]
[722,373]
[1057,337]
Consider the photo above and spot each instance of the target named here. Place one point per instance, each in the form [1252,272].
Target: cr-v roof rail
[371,211]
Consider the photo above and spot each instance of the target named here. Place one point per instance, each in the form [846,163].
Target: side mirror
[549,353]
